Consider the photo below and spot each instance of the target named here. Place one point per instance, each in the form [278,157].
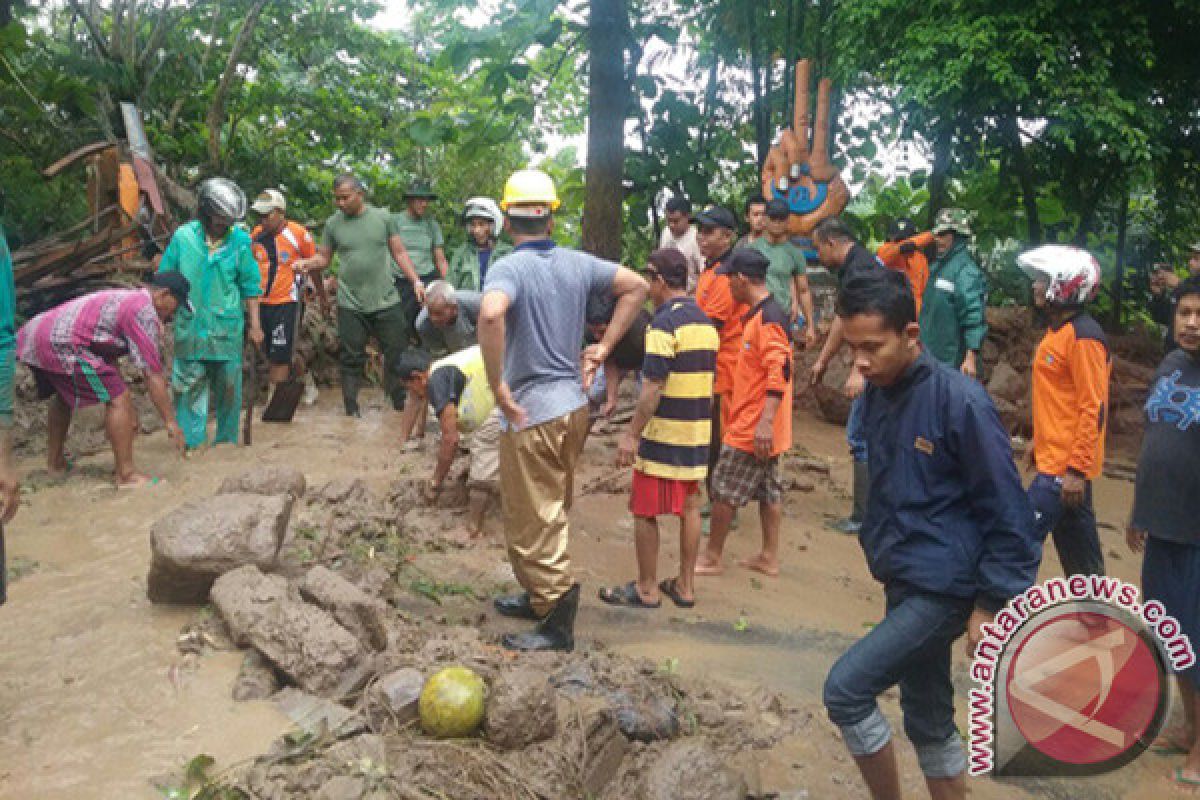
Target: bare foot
[708,566]
[137,481]
[1176,739]
[763,565]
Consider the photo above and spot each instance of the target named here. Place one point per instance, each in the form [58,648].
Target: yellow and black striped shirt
[681,351]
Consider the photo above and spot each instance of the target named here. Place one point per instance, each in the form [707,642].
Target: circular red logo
[1084,688]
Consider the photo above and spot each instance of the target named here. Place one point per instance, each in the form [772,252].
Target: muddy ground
[97,698]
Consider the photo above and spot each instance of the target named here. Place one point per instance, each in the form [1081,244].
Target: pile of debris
[330,644]
[129,221]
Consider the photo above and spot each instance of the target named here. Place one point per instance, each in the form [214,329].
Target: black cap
[745,261]
[176,284]
[671,265]
[778,209]
[901,228]
[717,217]
[420,189]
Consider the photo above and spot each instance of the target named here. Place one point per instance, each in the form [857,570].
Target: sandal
[1182,781]
[626,595]
[670,588]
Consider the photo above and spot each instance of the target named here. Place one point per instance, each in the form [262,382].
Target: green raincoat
[464,264]
[952,310]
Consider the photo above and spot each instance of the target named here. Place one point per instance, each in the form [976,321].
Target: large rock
[691,770]
[1009,384]
[267,481]
[193,545]
[304,642]
[831,402]
[256,679]
[521,710]
[399,692]
[358,612]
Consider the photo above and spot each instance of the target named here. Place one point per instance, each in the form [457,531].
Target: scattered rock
[266,481]
[244,597]
[575,678]
[1007,383]
[304,642]
[256,679]
[318,716]
[195,544]
[399,691]
[521,710]
[344,490]
[690,769]
[342,787]
[364,616]
[606,749]
[833,405]
[648,720]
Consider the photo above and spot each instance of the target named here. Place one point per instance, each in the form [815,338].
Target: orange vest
[764,367]
[1071,371]
[292,243]
[716,301]
[915,265]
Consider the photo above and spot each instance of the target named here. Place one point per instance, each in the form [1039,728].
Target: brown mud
[98,700]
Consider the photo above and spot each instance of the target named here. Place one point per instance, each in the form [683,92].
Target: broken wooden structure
[128,223]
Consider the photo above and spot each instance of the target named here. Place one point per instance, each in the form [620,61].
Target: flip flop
[626,595]
[1182,781]
[670,588]
[1168,750]
[129,487]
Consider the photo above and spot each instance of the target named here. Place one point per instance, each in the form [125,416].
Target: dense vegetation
[1060,120]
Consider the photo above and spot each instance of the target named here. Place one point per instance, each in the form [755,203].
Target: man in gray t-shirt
[447,322]
[530,330]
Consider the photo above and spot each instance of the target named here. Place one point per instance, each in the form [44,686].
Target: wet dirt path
[95,699]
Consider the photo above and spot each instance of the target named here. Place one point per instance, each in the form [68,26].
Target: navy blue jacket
[946,511]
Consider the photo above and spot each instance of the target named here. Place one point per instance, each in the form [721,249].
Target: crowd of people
[518,348]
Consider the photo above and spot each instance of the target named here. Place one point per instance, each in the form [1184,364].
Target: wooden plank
[75,155]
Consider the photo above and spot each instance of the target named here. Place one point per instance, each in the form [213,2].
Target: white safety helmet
[1071,274]
[220,197]
[484,208]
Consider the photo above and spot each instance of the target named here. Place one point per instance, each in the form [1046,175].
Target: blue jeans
[1075,536]
[856,437]
[910,647]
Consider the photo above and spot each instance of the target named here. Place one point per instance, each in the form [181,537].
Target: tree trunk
[1012,136]
[758,112]
[215,119]
[943,140]
[1118,291]
[1091,200]
[608,100]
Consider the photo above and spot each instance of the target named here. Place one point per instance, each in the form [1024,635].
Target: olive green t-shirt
[365,279]
[786,262]
[421,237]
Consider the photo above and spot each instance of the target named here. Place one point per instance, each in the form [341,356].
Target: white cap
[268,200]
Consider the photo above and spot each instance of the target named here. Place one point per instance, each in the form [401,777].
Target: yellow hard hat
[529,187]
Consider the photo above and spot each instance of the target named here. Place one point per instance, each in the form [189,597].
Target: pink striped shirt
[96,329]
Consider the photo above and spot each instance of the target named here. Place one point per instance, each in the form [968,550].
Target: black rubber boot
[516,605]
[350,396]
[555,632]
[862,482]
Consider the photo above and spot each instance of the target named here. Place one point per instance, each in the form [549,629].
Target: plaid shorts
[739,477]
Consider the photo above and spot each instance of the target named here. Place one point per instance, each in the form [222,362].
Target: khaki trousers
[537,471]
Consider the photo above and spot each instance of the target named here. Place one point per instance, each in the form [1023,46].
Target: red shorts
[654,497]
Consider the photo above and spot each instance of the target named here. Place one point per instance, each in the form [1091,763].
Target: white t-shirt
[690,247]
